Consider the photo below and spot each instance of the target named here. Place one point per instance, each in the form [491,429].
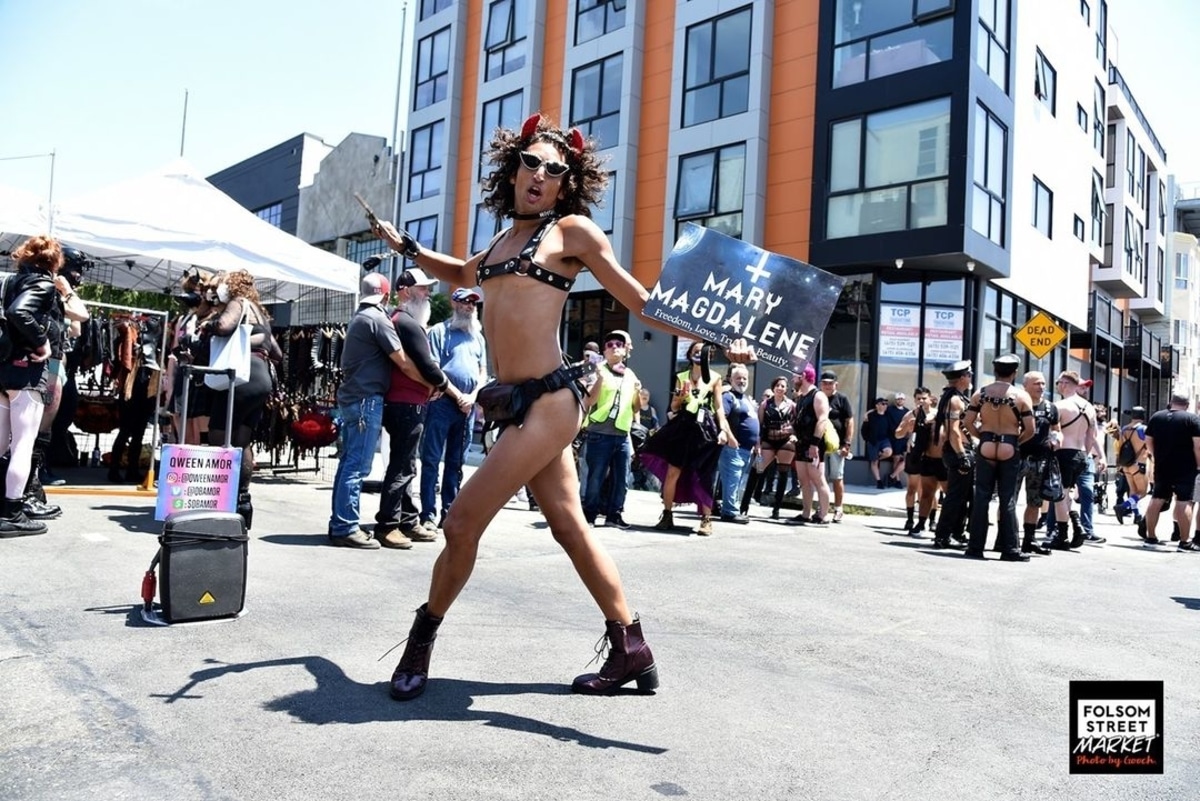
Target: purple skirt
[681,443]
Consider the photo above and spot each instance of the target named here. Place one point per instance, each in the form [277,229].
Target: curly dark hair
[583,185]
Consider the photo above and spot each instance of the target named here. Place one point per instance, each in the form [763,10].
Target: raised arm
[439,265]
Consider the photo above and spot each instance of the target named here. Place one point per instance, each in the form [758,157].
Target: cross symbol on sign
[758,271]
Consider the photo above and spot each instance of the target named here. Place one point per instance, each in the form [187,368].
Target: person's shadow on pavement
[339,699]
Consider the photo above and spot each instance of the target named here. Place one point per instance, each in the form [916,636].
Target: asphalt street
[837,662]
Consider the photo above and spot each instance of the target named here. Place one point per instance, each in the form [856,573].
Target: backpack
[1127,454]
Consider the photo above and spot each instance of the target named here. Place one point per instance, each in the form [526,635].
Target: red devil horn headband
[574,136]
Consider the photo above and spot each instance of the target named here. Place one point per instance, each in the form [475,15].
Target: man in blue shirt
[457,345]
[737,457]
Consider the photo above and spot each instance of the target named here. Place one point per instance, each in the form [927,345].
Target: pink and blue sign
[195,478]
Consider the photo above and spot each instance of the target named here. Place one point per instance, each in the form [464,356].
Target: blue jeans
[447,434]
[404,422]
[734,469]
[359,434]
[606,453]
[1087,500]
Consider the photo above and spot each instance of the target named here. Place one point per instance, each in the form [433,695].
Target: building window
[1098,118]
[1139,178]
[889,171]
[1080,229]
[1161,274]
[990,157]
[1108,235]
[433,69]
[874,38]
[1162,208]
[272,214]
[487,225]
[359,250]
[1130,161]
[1085,11]
[991,41]
[603,214]
[595,18]
[425,161]
[424,231]
[506,41]
[503,112]
[1102,36]
[1181,271]
[1043,208]
[711,189]
[596,100]
[1045,83]
[717,68]
[1098,207]
[431,7]
[1081,117]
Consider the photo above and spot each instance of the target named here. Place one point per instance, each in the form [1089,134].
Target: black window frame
[430,163]
[601,116]
[864,45]
[419,229]
[1043,201]
[1098,209]
[1081,117]
[506,54]
[1045,82]
[722,82]
[613,12]
[712,210]
[424,74]
[488,122]
[431,7]
[1079,228]
[985,191]
[480,236]
[991,33]
[1085,11]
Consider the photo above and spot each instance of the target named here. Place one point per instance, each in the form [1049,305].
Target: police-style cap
[1138,412]
[1007,360]
[958,369]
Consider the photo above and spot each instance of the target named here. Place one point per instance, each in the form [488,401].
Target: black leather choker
[540,215]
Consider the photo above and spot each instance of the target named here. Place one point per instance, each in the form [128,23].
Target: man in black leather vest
[958,454]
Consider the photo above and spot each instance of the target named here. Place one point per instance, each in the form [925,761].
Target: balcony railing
[1115,77]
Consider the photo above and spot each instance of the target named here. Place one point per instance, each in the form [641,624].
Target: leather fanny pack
[509,403]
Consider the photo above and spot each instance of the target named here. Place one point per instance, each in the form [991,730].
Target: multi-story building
[947,158]
[1183,295]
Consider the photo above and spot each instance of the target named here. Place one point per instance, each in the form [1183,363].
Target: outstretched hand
[401,241]
[740,352]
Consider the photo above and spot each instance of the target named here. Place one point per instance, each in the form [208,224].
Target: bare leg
[670,481]
[558,485]
[519,455]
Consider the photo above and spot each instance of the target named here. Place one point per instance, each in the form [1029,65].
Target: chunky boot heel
[412,673]
[629,659]
[666,522]
[648,679]
[245,508]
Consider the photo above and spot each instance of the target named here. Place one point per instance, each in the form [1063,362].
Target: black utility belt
[509,403]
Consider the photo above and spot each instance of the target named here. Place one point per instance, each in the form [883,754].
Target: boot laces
[601,648]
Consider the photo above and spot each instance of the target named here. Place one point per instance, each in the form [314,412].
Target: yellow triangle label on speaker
[207,598]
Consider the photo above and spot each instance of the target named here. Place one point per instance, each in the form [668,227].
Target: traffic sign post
[1040,335]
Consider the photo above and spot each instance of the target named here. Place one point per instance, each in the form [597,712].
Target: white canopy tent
[148,230]
[22,214]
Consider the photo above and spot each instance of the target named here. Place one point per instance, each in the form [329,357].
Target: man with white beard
[398,524]
[457,345]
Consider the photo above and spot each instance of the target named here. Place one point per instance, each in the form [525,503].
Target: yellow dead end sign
[1040,335]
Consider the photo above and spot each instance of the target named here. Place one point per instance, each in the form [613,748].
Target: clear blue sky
[102,82]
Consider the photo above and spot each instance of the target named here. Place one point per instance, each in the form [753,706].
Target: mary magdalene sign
[718,288]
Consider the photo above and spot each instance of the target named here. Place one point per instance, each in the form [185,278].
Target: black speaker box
[203,564]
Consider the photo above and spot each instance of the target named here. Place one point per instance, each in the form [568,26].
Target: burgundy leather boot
[629,659]
[412,673]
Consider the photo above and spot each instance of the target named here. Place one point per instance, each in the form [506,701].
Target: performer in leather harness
[958,455]
[545,179]
[1034,453]
[999,462]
